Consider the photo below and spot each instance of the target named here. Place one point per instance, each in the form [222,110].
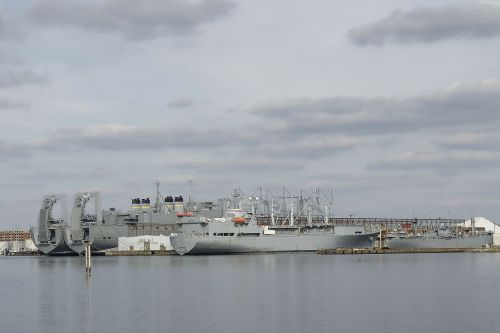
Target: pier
[140,253]
[414,250]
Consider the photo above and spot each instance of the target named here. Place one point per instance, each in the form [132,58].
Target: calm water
[253,293]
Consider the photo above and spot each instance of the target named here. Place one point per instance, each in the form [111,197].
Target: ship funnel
[145,203]
[179,204]
[136,203]
[169,203]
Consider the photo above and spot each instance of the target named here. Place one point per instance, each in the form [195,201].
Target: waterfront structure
[12,241]
[14,235]
[145,243]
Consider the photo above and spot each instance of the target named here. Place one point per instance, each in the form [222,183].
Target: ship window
[215,234]
[358,232]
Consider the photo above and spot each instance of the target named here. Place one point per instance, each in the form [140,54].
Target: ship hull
[429,243]
[100,238]
[267,243]
[56,245]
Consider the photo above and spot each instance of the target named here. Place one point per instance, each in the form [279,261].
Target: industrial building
[12,241]
[487,226]
[145,243]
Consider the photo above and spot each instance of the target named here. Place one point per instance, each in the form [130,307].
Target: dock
[140,253]
[408,250]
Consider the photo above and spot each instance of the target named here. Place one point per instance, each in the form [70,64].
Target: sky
[395,105]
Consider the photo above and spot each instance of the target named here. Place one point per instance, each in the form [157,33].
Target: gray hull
[427,243]
[100,238]
[57,245]
[266,243]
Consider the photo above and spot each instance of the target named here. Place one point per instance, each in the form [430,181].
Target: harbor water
[288,292]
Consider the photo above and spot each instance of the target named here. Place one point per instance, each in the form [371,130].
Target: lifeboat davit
[185,214]
[239,219]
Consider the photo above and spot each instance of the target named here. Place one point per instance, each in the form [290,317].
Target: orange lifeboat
[239,219]
[185,214]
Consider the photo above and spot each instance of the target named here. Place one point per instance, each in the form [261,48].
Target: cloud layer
[136,20]
[240,94]
[430,25]
[303,129]
[18,78]
[458,105]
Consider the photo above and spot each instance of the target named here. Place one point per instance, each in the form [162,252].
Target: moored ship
[238,232]
[50,236]
[429,242]
[101,228]
[457,235]
[441,239]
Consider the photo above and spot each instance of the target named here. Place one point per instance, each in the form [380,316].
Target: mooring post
[88,262]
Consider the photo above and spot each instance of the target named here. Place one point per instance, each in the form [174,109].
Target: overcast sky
[395,104]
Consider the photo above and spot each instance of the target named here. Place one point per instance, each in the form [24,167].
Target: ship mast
[272,212]
[159,199]
[190,180]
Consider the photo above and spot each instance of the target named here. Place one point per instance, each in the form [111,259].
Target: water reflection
[252,293]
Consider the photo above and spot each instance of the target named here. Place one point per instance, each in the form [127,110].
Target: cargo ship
[441,239]
[238,232]
[51,234]
[89,225]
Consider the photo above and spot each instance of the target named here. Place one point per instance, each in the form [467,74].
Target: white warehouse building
[481,222]
[145,243]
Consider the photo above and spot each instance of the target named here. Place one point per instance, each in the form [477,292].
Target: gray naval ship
[238,232]
[101,228]
[50,236]
[439,240]
[452,237]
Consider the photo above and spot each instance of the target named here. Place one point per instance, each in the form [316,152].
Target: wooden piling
[88,261]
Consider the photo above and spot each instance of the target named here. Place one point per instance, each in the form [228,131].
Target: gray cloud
[181,103]
[289,146]
[8,31]
[7,104]
[119,137]
[126,137]
[16,150]
[256,145]
[471,141]
[430,25]
[440,161]
[58,173]
[251,163]
[136,20]
[295,130]
[12,79]
[459,105]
